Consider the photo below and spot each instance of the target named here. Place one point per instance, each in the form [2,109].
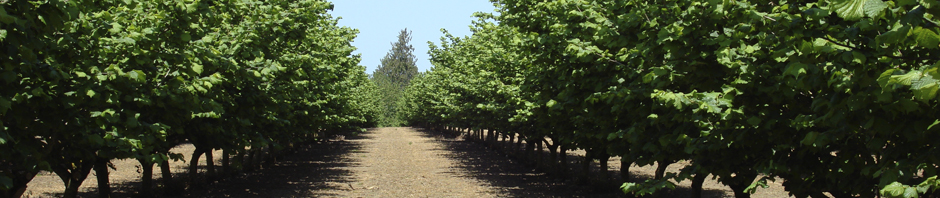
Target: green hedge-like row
[87,81]
[836,96]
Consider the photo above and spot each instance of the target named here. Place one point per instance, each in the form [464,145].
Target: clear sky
[380,21]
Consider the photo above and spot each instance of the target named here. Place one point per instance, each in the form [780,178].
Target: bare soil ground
[390,162]
[125,178]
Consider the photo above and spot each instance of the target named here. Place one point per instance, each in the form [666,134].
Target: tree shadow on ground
[304,173]
[299,173]
[518,178]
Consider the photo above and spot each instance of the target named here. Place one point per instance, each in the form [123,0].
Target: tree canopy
[397,69]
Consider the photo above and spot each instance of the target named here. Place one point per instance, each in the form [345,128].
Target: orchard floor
[389,162]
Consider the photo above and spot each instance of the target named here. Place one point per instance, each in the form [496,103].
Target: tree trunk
[493,139]
[239,161]
[529,149]
[605,174]
[538,153]
[661,169]
[697,184]
[741,181]
[552,157]
[586,168]
[194,167]
[102,174]
[71,189]
[210,166]
[170,187]
[249,160]
[226,168]
[511,144]
[563,157]
[262,154]
[146,178]
[73,178]
[20,181]
[519,144]
[625,169]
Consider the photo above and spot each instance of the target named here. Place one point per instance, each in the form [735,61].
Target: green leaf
[197,68]
[755,121]
[751,189]
[894,189]
[137,75]
[7,182]
[875,8]
[858,57]
[186,37]
[810,138]
[550,103]
[96,139]
[6,18]
[896,35]
[926,38]
[90,93]
[795,69]
[935,122]
[910,192]
[8,76]
[885,77]
[116,28]
[925,88]
[5,105]
[854,10]
[906,79]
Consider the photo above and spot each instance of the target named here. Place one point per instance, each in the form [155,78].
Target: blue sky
[380,21]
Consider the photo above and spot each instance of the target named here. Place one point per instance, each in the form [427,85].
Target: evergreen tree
[394,74]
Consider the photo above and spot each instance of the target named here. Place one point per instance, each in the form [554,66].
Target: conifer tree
[394,74]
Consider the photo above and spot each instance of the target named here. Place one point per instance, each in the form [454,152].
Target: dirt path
[396,162]
[400,162]
[390,162]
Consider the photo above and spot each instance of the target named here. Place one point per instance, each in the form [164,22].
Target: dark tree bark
[210,165]
[102,173]
[194,167]
[170,186]
[73,175]
[563,157]
[605,173]
[625,169]
[538,153]
[146,178]
[586,168]
[20,180]
[661,169]
[552,155]
[249,160]
[511,144]
[529,149]
[740,183]
[226,167]
[697,184]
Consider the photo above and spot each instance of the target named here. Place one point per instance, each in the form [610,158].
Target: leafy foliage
[397,69]
[831,96]
[85,80]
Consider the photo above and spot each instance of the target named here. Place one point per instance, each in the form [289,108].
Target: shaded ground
[304,173]
[392,162]
[501,168]
[125,177]
[398,162]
